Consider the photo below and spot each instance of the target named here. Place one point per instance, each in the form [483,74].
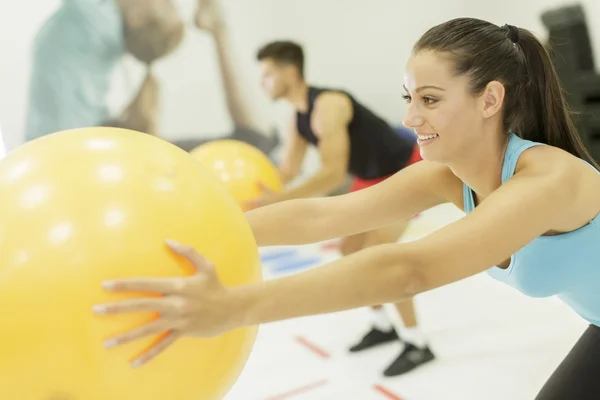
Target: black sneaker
[374,338]
[410,358]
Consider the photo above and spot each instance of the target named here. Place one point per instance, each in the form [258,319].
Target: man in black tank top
[351,139]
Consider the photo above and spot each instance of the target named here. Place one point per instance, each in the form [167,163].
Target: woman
[76,52]
[531,199]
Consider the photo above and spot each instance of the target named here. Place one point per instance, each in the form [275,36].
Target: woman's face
[441,108]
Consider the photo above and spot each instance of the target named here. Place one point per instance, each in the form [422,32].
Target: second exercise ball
[242,167]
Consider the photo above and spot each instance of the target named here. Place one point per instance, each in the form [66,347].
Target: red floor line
[387,393]
[330,246]
[312,347]
[300,390]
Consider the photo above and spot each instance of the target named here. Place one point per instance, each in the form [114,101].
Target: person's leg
[416,350]
[381,330]
[409,328]
[577,376]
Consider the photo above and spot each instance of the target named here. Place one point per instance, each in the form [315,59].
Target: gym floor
[491,342]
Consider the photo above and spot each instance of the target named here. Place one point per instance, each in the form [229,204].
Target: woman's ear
[492,99]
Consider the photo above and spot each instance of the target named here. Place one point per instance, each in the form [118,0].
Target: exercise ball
[240,166]
[83,206]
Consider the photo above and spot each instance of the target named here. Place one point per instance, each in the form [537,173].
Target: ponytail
[545,115]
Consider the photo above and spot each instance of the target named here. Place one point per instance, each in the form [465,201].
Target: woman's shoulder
[574,177]
[543,159]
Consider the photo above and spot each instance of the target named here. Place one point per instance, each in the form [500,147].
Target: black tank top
[376,149]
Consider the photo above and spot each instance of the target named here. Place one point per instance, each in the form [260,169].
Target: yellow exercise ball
[240,166]
[87,205]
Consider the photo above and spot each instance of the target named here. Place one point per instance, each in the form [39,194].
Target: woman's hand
[199,305]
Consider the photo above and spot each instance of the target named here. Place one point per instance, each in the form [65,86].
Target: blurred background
[491,343]
[356,46]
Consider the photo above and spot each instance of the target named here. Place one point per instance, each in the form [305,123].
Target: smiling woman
[423,137]
[498,141]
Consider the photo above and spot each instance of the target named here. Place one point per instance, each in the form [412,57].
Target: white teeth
[425,137]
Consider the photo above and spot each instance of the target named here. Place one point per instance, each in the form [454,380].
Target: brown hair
[283,52]
[534,107]
[149,42]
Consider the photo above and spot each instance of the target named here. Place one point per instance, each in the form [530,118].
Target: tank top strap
[468,200]
[516,146]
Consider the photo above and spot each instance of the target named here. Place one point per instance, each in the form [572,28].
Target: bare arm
[293,155]
[527,206]
[530,204]
[331,116]
[412,190]
[241,103]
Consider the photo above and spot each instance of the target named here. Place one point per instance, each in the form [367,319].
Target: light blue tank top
[566,265]
[74,56]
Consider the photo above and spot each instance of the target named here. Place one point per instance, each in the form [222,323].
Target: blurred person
[351,139]
[79,47]
[76,52]
[250,126]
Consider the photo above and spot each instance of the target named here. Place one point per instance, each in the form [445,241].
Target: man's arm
[332,114]
[293,155]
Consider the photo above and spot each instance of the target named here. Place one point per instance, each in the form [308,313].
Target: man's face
[274,78]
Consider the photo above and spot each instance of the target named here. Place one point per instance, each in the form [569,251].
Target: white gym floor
[491,342]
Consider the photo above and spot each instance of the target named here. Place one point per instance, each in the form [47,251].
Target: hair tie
[512,33]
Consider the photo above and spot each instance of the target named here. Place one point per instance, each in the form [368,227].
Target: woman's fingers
[155,350]
[148,285]
[161,305]
[150,329]
[163,285]
[181,299]
[198,261]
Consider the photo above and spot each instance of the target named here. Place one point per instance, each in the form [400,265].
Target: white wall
[361,46]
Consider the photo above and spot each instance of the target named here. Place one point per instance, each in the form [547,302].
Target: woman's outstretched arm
[528,205]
